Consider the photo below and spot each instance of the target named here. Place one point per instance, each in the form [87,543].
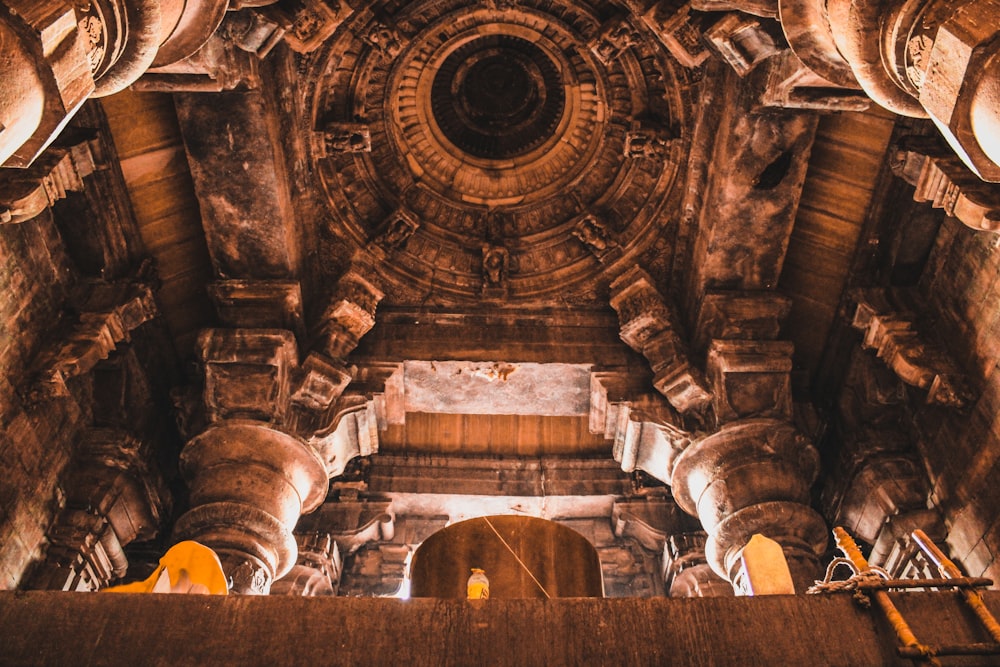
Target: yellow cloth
[187,567]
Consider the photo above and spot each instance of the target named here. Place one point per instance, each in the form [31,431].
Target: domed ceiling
[484,152]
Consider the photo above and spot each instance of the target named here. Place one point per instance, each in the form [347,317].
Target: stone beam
[757,166]
[235,153]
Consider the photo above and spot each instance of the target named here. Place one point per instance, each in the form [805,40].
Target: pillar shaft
[249,485]
[753,476]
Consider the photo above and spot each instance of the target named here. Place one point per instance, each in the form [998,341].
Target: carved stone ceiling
[515,156]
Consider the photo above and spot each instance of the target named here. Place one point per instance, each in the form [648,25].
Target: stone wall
[962,450]
[35,275]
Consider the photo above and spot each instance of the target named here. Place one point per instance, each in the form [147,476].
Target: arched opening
[523,557]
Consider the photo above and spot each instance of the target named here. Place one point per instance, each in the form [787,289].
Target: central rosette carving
[498,96]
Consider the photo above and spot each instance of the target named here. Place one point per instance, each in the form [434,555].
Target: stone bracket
[647,326]
[891,331]
[943,180]
[109,313]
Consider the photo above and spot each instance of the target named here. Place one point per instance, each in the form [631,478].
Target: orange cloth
[187,567]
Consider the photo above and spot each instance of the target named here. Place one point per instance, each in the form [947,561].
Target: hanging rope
[520,562]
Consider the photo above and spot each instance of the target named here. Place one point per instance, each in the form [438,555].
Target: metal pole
[950,570]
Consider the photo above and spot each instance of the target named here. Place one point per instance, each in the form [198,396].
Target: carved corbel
[25,193]
[679,31]
[744,41]
[646,433]
[941,179]
[648,328]
[918,362]
[109,312]
[349,315]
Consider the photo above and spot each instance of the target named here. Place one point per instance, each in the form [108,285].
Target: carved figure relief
[646,142]
[593,234]
[347,138]
[496,264]
[397,231]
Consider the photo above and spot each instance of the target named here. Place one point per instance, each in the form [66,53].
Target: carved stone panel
[751,379]
[247,372]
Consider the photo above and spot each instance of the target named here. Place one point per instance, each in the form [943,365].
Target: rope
[520,562]
[852,583]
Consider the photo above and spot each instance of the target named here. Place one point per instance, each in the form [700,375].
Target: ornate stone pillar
[277,430]
[57,53]
[686,573]
[112,497]
[249,485]
[936,59]
[753,476]
[46,75]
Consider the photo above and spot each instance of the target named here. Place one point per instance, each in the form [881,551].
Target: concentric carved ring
[518,112]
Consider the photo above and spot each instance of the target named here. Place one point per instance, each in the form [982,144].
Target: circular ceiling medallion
[497,97]
[486,153]
[515,113]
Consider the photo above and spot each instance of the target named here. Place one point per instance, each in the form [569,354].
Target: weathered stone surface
[752,631]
